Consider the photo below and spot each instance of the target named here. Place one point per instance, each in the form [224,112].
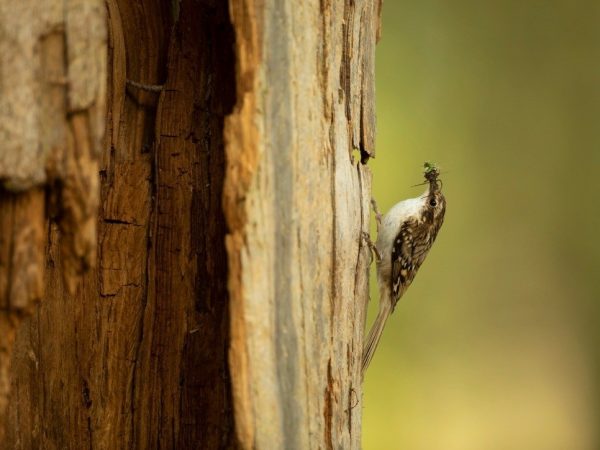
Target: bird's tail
[385,308]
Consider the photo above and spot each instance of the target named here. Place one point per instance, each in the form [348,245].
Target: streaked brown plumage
[405,237]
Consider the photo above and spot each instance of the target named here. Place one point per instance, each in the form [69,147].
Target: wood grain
[48,149]
[217,298]
[296,203]
[140,356]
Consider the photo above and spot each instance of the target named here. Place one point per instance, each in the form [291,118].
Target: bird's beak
[435,185]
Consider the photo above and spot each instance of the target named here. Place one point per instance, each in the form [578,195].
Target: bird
[405,236]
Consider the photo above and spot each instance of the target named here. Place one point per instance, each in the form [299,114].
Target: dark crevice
[328,409]
[364,155]
[120,222]
[345,69]
[203,80]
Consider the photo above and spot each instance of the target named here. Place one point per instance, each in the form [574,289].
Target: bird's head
[433,201]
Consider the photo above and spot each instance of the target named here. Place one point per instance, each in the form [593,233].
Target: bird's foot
[367,239]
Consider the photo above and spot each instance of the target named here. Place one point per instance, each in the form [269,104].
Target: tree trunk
[227,302]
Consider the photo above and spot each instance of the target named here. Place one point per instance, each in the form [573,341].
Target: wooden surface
[139,358]
[22,235]
[296,201]
[226,305]
[51,125]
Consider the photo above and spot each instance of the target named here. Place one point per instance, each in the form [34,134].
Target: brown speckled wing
[402,260]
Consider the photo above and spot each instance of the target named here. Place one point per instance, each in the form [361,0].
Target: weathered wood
[141,353]
[22,152]
[22,235]
[231,281]
[51,124]
[296,203]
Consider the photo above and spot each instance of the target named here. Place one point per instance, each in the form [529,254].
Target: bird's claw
[367,238]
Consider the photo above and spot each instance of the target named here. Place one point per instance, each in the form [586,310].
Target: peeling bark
[140,356]
[296,203]
[51,126]
[221,301]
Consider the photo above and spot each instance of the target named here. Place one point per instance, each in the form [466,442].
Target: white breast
[389,228]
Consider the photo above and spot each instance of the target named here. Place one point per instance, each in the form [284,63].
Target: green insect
[429,167]
[432,172]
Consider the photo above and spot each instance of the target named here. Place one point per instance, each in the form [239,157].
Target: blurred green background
[496,344]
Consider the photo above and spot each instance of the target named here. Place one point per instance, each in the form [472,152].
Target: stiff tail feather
[375,333]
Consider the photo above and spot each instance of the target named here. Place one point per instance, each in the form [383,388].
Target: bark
[296,202]
[139,360]
[226,305]
[52,94]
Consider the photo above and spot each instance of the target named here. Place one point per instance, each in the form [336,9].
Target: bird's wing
[402,259]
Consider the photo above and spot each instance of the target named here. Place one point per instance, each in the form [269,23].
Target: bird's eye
[433,203]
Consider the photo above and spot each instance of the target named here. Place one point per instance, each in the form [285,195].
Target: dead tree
[184,187]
